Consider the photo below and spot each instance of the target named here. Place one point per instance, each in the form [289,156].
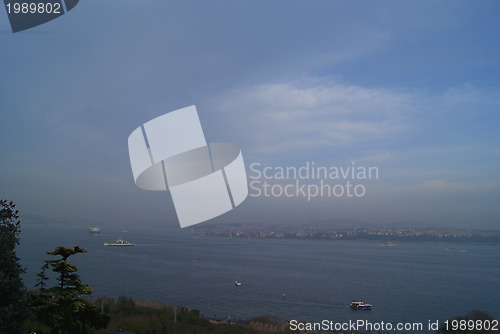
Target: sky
[409,87]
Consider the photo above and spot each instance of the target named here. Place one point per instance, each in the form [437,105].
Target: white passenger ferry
[119,242]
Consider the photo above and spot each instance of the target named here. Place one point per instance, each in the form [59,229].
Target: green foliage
[125,306]
[264,319]
[70,284]
[12,291]
[61,307]
[136,318]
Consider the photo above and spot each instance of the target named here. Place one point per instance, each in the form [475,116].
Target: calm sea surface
[408,283]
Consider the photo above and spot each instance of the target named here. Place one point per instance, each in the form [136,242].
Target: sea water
[305,280]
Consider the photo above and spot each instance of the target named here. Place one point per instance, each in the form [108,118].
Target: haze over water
[411,282]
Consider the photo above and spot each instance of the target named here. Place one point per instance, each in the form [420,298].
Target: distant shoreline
[368,234]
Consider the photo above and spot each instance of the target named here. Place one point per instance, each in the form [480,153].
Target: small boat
[95,230]
[388,244]
[237,283]
[119,242]
[360,305]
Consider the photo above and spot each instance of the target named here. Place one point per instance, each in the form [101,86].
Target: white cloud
[280,117]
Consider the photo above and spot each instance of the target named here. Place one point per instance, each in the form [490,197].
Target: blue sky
[412,87]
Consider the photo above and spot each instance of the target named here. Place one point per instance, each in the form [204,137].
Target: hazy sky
[411,87]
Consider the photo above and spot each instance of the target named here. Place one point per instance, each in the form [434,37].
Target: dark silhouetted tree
[12,291]
[61,306]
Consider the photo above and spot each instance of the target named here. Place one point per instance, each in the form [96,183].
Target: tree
[61,307]
[12,291]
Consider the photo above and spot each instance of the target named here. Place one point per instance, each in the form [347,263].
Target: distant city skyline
[411,88]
